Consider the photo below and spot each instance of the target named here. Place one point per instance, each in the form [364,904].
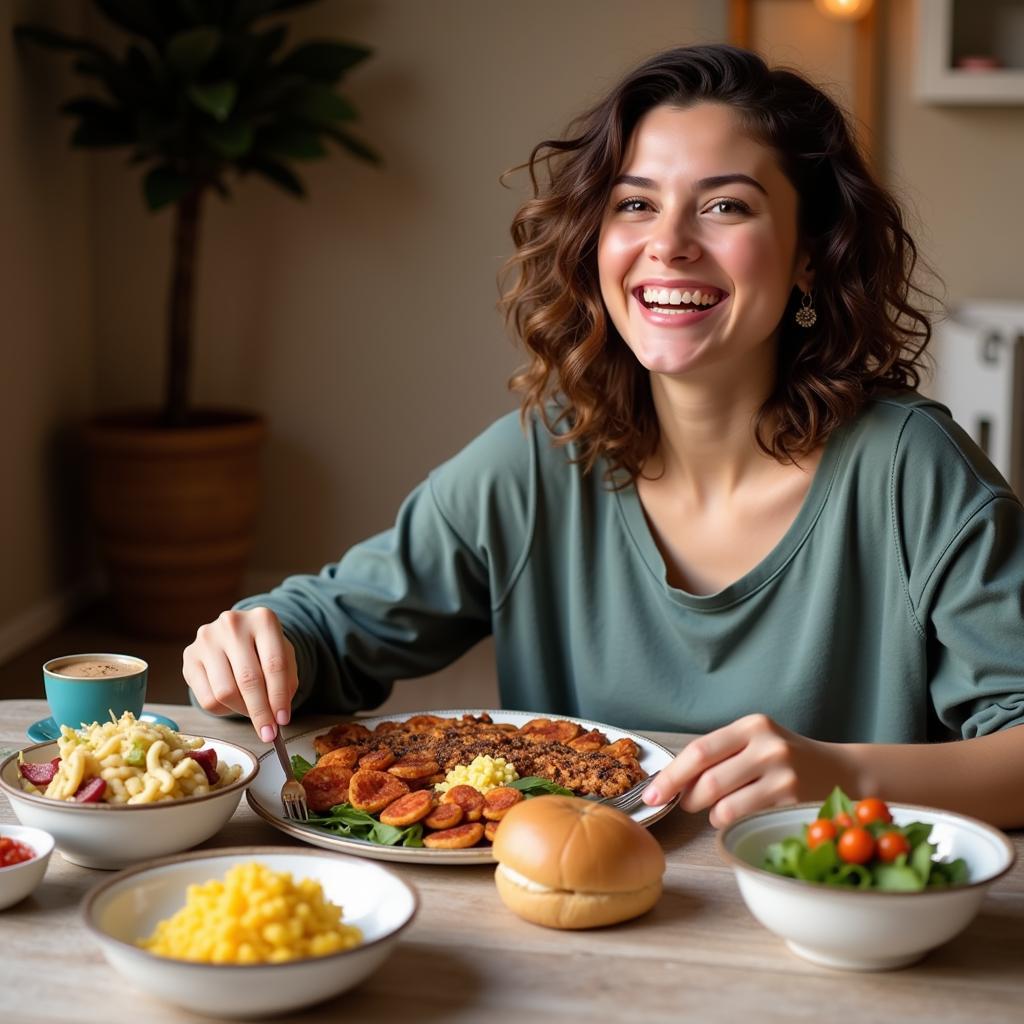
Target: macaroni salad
[139,763]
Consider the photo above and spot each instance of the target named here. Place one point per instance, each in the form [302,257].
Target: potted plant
[202,91]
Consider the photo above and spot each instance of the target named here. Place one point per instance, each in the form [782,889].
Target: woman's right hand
[243,664]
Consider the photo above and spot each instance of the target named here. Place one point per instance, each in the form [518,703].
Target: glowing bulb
[845,10]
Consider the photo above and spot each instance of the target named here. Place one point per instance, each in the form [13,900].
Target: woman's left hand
[747,766]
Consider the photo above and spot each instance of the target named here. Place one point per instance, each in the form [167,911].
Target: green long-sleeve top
[890,611]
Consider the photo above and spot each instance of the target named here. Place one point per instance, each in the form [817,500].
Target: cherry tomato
[891,845]
[13,851]
[819,832]
[871,809]
[856,845]
[842,820]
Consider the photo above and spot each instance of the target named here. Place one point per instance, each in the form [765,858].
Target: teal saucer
[47,730]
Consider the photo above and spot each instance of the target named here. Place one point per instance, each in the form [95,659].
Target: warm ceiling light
[847,10]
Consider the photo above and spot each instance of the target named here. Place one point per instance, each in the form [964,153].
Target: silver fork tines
[293,796]
[628,800]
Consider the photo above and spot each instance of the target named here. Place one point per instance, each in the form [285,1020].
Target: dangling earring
[806,315]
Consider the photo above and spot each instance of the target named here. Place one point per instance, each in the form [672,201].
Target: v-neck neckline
[639,528]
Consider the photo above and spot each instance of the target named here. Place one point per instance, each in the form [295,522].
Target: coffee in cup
[86,688]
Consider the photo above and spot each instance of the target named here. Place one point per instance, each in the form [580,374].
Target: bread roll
[564,862]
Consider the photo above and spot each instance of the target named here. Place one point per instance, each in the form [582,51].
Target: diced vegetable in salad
[857,845]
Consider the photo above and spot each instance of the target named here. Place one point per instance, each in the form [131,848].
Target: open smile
[677,306]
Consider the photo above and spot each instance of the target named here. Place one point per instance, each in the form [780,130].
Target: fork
[633,796]
[293,796]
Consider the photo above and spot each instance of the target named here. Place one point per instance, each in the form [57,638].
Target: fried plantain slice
[382,728]
[344,757]
[557,730]
[379,760]
[444,816]
[408,809]
[469,799]
[415,766]
[341,735]
[499,801]
[622,749]
[491,830]
[372,791]
[326,785]
[589,741]
[458,838]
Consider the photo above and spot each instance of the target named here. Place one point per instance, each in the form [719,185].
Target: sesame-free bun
[570,863]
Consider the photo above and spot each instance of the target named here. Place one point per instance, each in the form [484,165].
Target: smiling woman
[724,508]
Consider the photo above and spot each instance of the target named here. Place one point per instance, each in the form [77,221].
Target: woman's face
[698,246]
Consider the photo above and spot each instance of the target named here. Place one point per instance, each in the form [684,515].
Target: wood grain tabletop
[698,955]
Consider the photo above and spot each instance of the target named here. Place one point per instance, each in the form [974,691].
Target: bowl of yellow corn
[249,932]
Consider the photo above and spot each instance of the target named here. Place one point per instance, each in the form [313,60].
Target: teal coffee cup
[86,688]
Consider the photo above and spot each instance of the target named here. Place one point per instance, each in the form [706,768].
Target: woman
[727,510]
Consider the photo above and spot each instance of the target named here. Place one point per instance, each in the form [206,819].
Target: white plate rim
[271,776]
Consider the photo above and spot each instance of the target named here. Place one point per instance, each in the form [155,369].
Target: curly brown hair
[581,375]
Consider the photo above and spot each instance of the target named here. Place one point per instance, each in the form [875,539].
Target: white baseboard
[46,617]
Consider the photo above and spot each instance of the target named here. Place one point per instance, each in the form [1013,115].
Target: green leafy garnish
[300,766]
[136,757]
[911,871]
[345,820]
[534,785]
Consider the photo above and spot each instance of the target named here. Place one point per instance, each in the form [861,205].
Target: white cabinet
[979,375]
[951,33]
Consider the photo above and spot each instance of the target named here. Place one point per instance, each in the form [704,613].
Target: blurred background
[361,321]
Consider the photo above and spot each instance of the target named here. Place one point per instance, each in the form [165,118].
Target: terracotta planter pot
[175,511]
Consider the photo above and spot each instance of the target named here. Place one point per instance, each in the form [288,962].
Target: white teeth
[676,297]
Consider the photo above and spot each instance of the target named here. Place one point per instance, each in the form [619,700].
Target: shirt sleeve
[966,582]
[412,599]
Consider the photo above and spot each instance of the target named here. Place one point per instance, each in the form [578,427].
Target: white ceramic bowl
[114,836]
[18,880]
[864,930]
[127,907]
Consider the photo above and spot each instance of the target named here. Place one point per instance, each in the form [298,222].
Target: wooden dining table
[699,955]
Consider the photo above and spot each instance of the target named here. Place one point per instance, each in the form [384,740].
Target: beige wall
[362,322]
[47,300]
[959,169]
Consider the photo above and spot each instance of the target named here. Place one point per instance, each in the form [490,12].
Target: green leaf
[324,61]
[320,104]
[345,820]
[921,860]
[300,766]
[916,832]
[292,140]
[814,865]
[164,185]
[231,140]
[535,785]
[214,98]
[189,52]
[836,802]
[277,172]
[893,878]
[952,872]
[355,146]
[854,876]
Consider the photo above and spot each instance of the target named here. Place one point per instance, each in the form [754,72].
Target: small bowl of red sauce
[24,854]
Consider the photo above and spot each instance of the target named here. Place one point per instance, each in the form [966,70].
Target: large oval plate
[264,795]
